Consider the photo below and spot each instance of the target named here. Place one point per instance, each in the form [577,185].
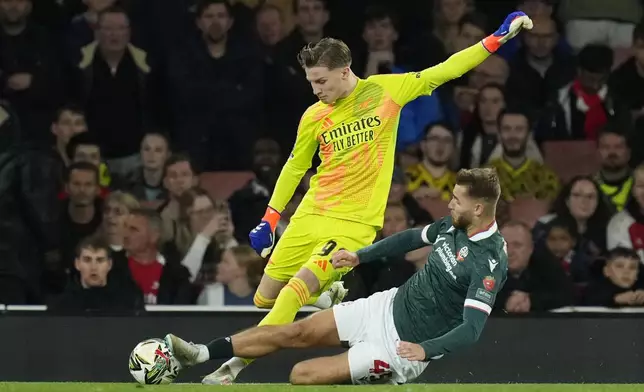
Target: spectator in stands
[85,147]
[561,240]
[626,228]
[432,178]
[269,25]
[68,122]
[162,281]
[31,77]
[80,214]
[609,23]
[581,108]
[398,195]
[628,79]
[238,275]
[179,175]
[290,92]
[380,34]
[615,176]
[81,31]
[521,176]
[211,231]
[147,183]
[447,15]
[581,202]
[29,182]
[91,292]
[540,68]
[494,70]
[473,27]
[387,273]
[618,286]
[216,84]
[114,81]
[116,208]
[535,281]
[480,137]
[249,203]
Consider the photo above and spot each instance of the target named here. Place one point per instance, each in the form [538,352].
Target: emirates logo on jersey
[489,283]
[462,254]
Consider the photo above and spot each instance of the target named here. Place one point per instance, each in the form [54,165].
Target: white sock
[204,354]
[235,365]
[324,301]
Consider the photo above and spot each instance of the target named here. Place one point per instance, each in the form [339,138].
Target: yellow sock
[261,302]
[289,301]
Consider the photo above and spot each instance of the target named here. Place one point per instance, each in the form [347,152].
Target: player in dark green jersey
[392,335]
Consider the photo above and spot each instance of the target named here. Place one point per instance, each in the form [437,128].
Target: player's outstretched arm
[467,59]
[262,237]
[397,244]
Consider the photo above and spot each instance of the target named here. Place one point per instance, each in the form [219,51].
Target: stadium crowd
[114,115]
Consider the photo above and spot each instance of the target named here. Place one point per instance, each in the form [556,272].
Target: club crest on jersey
[462,254]
[488,283]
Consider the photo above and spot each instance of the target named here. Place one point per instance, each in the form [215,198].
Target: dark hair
[476,19]
[620,251]
[513,111]
[328,52]
[82,166]
[378,12]
[296,5]
[152,216]
[565,223]
[176,158]
[598,220]
[163,135]
[611,128]
[68,107]
[202,6]
[441,124]
[115,9]
[94,242]
[595,58]
[268,7]
[81,139]
[482,183]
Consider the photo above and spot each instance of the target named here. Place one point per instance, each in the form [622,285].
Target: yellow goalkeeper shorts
[310,240]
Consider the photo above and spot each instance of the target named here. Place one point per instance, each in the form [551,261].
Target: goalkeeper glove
[509,29]
[262,237]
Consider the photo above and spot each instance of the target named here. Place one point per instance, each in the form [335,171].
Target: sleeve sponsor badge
[489,283]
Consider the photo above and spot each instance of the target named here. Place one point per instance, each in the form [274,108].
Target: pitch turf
[97,387]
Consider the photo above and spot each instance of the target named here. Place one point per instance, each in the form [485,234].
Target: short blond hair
[328,52]
[123,198]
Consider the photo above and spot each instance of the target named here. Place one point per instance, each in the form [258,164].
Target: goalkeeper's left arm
[467,59]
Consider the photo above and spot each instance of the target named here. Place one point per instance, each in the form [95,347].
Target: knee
[261,302]
[297,335]
[302,374]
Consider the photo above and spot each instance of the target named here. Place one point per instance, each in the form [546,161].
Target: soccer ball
[151,362]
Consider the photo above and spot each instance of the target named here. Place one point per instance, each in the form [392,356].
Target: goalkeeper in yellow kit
[354,125]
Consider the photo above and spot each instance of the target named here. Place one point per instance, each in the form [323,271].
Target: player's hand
[262,237]
[411,351]
[344,258]
[511,26]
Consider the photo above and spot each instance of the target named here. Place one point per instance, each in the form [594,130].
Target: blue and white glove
[511,26]
[262,237]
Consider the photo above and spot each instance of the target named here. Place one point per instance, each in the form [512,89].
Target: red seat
[528,211]
[571,158]
[436,208]
[221,185]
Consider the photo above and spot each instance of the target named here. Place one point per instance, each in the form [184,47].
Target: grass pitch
[108,387]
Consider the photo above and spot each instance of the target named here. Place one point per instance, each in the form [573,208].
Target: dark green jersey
[461,272]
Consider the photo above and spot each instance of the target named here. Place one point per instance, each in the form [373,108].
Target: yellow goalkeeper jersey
[356,136]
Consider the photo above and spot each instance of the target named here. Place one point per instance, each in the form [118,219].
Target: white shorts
[367,326]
